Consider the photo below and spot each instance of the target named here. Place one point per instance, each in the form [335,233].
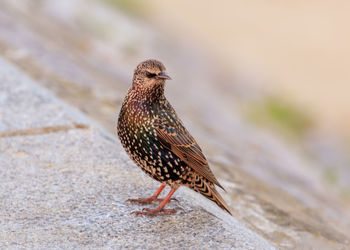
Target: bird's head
[150,74]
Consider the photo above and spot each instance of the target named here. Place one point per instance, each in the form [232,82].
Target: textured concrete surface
[26,106]
[64,183]
[85,52]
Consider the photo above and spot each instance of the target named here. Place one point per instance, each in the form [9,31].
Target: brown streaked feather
[181,143]
[208,189]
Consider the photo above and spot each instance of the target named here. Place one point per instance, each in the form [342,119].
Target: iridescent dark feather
[175,137]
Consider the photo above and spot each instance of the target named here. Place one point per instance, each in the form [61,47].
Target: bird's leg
[148,211]
[149,200]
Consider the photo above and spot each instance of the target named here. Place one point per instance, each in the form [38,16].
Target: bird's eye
[150,75]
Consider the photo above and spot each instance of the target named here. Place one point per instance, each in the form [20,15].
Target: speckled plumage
[157,141]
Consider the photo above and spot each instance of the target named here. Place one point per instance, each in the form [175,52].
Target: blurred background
[299,49]
[262,85]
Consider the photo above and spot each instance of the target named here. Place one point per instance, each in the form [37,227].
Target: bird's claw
[148,200]
[174,199]
[152,212]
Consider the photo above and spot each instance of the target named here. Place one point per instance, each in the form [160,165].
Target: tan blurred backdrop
[301,48]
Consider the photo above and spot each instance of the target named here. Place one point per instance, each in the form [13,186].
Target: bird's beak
[163,75]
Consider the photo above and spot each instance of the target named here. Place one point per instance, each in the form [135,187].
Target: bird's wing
[174,136]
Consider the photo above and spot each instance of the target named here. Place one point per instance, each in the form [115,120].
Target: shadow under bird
[157,141]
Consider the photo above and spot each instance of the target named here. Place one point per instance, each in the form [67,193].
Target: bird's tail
[206,188]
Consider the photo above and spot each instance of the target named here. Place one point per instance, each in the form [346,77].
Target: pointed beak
[163,75]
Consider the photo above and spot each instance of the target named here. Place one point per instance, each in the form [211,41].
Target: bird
[156,139]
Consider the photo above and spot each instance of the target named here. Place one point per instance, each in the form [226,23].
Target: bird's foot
[152,212]
[148,200]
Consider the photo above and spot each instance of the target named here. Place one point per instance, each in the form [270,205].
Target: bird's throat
[150,93]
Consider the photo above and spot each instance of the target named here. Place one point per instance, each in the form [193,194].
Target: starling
[157,141]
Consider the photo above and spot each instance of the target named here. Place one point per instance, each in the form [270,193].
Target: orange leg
[148,211]
[149,200]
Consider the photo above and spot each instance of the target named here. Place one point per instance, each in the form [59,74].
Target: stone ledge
[67,188]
